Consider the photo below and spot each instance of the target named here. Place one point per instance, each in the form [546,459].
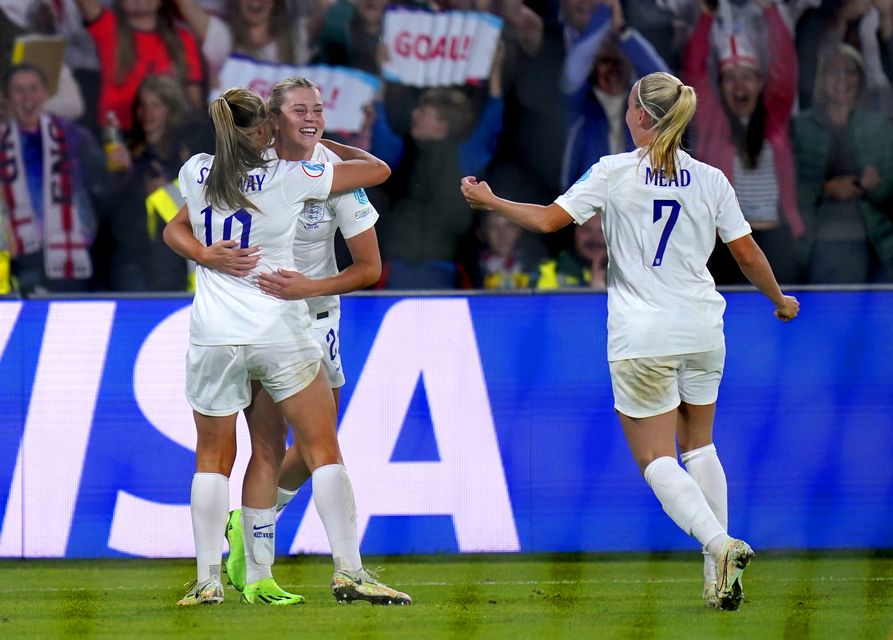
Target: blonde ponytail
[671,106]
[237,115]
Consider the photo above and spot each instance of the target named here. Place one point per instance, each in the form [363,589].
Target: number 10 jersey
[230,310]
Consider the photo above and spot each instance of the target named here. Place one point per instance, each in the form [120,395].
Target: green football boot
[235,561]
[266,591]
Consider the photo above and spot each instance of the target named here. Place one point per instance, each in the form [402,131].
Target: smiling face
[27,95]
[741,87]
[301,120]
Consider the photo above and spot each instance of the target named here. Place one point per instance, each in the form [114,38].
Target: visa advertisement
[468,424]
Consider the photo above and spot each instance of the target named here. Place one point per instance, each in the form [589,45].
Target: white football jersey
[230,310]
[660,231]
[315,234]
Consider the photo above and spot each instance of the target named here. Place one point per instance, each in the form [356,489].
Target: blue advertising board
[468,424]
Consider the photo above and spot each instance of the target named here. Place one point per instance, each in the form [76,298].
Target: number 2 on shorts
[675,208]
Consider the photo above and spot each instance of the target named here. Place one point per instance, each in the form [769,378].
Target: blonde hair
[671,106]
[281,88]
[237,115]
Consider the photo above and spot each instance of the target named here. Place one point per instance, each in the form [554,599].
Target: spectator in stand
[507,258]
[351,34]
[845,174]
[44,164]
[158,147]
[741,126]
[261,29]
[601,66]
[528,167]
[28,17]
[427,217]
[584,266]
[134,39]
[866,25]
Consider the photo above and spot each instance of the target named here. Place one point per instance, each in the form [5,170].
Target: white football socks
[704,467]
[683,501]
[259,536]
[333,495]
[209,505]
[283,497]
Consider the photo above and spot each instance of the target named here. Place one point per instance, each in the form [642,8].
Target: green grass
[795,596]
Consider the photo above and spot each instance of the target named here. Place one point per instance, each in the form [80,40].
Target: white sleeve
[730,222]
[183,176]
[353,212]
[217,45]
[308,181]
[588,195]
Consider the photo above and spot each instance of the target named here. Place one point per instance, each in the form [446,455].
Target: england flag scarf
[65,245]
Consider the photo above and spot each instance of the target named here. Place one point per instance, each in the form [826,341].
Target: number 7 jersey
[660,231]
[230,310]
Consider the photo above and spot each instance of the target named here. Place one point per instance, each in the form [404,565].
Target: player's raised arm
[359,169]
[533,217]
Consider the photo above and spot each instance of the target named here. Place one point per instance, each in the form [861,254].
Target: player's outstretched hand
[478,194]
[788,309]
[286,285]
[227,257]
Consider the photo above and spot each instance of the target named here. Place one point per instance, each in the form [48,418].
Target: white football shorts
[324,326]
[645,387]
[218,377]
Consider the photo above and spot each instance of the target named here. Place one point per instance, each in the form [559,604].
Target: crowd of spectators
[795,106]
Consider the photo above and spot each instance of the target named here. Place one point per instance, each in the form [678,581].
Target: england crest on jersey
[313,212]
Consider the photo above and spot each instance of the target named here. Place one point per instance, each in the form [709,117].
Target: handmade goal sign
[437,49]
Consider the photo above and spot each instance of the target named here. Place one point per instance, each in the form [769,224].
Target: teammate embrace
[254,345]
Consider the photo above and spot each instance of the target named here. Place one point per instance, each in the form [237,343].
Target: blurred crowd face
[741,87]
[589,239]
[152,113]
[611,72]
[140,8]
[577,12]
[500,235]
[27,95]
[371,11]
[255,12]
[841,81]
[427,125]
[302,119]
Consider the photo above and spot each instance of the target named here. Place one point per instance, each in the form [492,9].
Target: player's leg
[294,472]
[646,399]
[282,370]
[313,416]
[250,531]
[216,387]
[699,387]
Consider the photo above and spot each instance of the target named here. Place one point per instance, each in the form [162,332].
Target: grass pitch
[464,597]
